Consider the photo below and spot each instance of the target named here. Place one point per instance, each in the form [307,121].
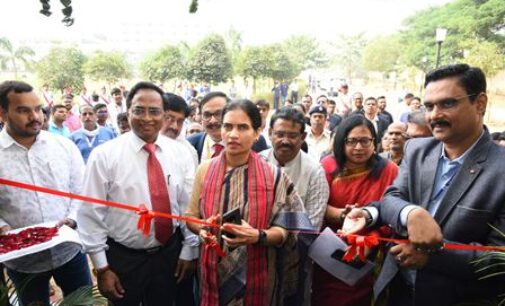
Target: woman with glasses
[357,175]
[254,205]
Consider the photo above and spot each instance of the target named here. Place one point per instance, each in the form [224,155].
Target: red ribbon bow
[144,223]
[358,245]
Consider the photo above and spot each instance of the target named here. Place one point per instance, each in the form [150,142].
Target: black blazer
[197,141]
[475,199]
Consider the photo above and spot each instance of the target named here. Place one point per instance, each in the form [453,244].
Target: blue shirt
[63,131]
[87,144]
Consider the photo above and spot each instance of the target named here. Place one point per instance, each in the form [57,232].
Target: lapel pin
[472,171]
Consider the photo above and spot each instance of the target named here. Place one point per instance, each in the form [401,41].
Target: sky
[145,23]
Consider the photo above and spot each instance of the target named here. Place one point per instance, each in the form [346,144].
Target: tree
[234,43]
[10,56]
[485,55]
[62,67]
[164,64]
[254,62]
[210,60]
[305,52]
[465,20]
[348,54]
[282,67]
[382,54]
[107,66]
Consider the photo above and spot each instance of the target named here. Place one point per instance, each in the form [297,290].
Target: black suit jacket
[475,199]
[197,141]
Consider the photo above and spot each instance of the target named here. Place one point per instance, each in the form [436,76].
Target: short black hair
[370,98]
[140,86]
[332,102]
[496,135]
[472,79]
[376,163]
[247,107]
[211,95]
[172,102]
[381,97]
[115,90]
[12,86]
[263,103]
[122,117]
[99,106]
[409,96]
[289,114]
[56,107]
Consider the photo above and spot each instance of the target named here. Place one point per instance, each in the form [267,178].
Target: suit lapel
[428,175]
[468,173]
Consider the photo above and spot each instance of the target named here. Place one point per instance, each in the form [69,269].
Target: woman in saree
[251,272]
[357,176]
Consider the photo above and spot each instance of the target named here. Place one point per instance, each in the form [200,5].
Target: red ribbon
[358,245]
[357,242]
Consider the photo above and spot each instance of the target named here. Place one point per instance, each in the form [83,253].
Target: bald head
[397,132]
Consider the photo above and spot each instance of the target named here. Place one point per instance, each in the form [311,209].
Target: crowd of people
[259,181]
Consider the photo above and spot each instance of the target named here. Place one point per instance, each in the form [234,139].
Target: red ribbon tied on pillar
[357,245]
[144,223]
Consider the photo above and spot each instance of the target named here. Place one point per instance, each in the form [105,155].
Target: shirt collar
[6,140]
[463,156]
[138,143]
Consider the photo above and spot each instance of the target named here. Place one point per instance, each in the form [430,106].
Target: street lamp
[439,37]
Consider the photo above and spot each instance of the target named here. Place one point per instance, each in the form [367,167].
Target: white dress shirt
[117,171]
[208,147]
[318,145]
[310,183]
[54,162]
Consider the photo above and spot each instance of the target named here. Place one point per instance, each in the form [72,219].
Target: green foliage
[465,20]
[210,60]
[82,297]
[304,51]
[164,64]
[11,56]
[234,43]
[382,54]
[485,55]
[107,66]
[254,62]
[348,54]
[62,67]
[282,67]
[68,20]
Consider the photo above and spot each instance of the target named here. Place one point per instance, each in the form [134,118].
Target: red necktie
[158,191]
[217,149]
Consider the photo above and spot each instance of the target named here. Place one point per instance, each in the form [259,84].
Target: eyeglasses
[446,104]
[141,112]
[289,135]
[208,115]
[353,142]
[171,119]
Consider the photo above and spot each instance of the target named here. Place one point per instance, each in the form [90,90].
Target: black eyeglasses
[208,115]
[446,104]
[364,142]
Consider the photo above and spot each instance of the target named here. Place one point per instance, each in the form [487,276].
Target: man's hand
[354,222]
[245,234]
[408,257]
[4,229]
[109,285]
[424,232]
[68,222]
[184,269]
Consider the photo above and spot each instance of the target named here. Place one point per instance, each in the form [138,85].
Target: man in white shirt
[118,106]
[139,167]
[37,157]
[318,138]
[287,132]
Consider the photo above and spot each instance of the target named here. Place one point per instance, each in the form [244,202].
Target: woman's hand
[205,233]
[245,234]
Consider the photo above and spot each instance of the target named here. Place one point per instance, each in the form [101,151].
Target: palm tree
[10,56]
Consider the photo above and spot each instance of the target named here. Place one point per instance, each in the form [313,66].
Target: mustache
[440,123]
[285,146]
[214,126]
[33,122]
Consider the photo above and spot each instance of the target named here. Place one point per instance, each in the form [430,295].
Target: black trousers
[147,276]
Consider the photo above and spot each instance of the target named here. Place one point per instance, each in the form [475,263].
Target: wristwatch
[262,238]
[368,217]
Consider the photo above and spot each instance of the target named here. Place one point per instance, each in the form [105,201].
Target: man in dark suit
[456,176]
[371,112]
[211,107]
